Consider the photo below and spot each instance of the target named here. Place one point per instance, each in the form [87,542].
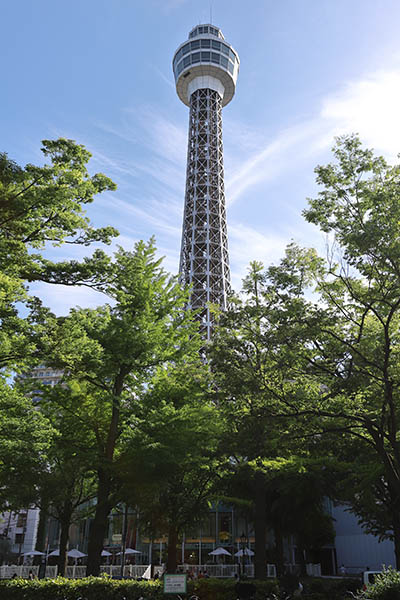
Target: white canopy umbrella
[130,551]
[245,552]
[105,553]
[219,552]
[33,553]
[75,553]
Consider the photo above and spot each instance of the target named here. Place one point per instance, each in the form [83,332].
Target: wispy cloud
[276,157]
[61,298]
[247,244]
[157,216]
[368,106]
[167,80]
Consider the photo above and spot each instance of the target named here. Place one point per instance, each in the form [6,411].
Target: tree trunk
[41,531]
[396,536]
[98,527]
[302,556]
[65,522]
[172,543]
[280,561]
[260,528]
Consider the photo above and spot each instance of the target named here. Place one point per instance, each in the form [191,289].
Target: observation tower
[206,69]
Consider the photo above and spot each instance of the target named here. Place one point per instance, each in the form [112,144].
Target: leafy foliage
[103,588]
[26,436]
[45,204]
[385,587]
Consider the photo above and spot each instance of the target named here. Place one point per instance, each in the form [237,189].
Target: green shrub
[90,588]
[224,589]
[385,587]
[105,588]
[331,589]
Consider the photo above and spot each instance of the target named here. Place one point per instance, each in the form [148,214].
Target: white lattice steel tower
[206,69]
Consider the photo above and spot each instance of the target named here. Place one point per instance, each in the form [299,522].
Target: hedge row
[330,589]
[105,588]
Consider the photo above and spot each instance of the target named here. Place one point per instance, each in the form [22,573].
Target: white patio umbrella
[219,552]
[130,551]
[33,553]
[105,553]
[245,552]
[55,553]
[75,553]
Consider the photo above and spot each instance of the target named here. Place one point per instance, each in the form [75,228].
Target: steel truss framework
[204,260]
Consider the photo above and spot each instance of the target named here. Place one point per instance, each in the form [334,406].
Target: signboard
[174,584]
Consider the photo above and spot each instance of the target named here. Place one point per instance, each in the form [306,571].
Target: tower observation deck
[206,69]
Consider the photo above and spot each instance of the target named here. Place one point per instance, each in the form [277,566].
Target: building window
[186,48]
[205,56]
[215,57]
[225,49]
[196,57]
[21,520]
[178,55]
[224,62]
[216,45]
[205,43]
[19,538]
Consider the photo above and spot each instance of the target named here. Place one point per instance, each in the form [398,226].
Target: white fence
[129,570]
[313,570]
[8,571]
[215,570]
[133,571]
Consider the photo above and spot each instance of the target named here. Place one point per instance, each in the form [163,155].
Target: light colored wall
[357,550]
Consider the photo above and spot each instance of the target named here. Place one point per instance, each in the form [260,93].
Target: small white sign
[174,584]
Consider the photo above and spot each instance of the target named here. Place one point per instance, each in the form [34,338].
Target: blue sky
[99,72]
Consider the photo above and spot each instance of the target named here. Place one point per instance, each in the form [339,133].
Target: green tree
[45,204]
[357,346]
[26,436]
[39,206]
[42,205]
[114,351]
[172,462]
[258,365]
[66,483]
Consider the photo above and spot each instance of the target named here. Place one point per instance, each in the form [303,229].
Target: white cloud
[292,144]
[161,215]
[370,107]
[247,244]
[60,298]
[367,106]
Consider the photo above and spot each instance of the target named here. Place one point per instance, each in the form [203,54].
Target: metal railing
[129,570]
[134,571]
[224,570]
[8,571]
